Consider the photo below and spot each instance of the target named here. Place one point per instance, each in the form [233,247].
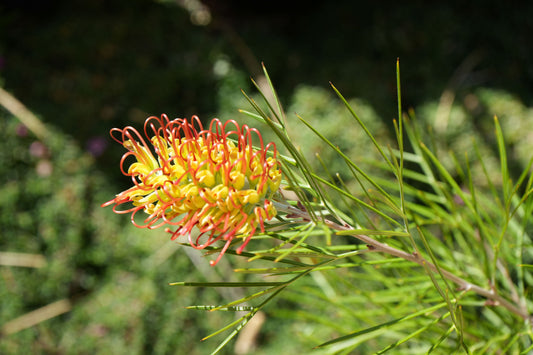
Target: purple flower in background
[38,150]
[22,130]
[96,145]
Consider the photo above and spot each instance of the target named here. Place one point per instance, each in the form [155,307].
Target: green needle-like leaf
[226,284]
[374,232]
[384,325]
[363,126]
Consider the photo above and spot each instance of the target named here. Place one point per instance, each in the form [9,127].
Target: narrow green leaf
[435,283]
[346,158]
[281,116]
[384,325]
[418,146]
[252,296]
[259,118]
[350,196]
[521,179]
[514,339]
[414,334]
[363,126]
[271,270]
[441,339]
[356,221]
[374,232]
[471,184]
[399,98]
[392,263]
[226,284]
[488,179]
[330,177]
[504,169]
[527,351]
[285,237]
[288,251]
[243,320]
[456,188]
[229,309]
[211,249]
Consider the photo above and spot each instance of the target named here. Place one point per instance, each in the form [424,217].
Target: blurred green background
[84,67]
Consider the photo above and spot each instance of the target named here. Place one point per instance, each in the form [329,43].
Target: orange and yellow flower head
[211,184]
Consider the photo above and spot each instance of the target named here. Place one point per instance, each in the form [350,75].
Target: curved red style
[210,183]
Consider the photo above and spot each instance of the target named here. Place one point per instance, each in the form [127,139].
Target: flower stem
[418,259]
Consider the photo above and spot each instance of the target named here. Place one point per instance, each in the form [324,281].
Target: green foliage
[441,264]
[376,249]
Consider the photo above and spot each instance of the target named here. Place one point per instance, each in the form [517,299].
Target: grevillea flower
[212,180]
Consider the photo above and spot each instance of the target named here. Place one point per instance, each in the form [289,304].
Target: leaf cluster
[408,256]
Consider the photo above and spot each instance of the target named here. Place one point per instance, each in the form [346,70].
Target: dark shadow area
[88,66]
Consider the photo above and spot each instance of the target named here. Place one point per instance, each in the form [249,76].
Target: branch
[415,258]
